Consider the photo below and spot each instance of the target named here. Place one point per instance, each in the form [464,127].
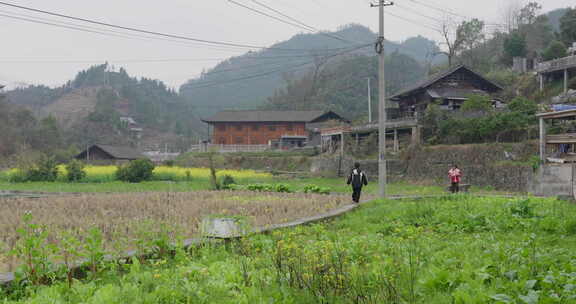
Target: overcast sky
[43,54]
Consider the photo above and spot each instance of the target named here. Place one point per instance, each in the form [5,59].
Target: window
[290,127]
[222,127]
[238,127]
[239,140]
[271,128]
[221,140]
[255,127]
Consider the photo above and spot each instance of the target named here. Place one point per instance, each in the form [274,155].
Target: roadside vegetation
[453,249]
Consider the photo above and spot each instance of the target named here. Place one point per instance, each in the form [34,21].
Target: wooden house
[449,89]
[107,154]
[284,128]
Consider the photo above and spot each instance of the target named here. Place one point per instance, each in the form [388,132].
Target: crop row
[100,174]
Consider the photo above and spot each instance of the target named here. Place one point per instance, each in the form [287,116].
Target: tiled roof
[267,116]
[438,76]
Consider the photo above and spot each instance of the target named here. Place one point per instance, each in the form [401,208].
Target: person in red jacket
[455,176]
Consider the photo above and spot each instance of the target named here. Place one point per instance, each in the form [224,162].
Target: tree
[528,13]
[462,37]
[523,105]
[568,26]
[477,103]
[515,45]
[557,49]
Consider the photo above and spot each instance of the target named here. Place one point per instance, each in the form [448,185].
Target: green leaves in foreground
[454,249]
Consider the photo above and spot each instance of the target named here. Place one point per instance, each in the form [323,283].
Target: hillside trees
[461,37]
[568,26]
[342,86]
[555,50]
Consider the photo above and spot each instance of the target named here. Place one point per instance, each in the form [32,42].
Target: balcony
[556,65]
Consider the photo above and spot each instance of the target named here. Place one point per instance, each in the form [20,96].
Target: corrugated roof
[267,116]
[438,76]
[121,152]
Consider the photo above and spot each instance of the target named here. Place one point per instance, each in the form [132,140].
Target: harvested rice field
[132,220]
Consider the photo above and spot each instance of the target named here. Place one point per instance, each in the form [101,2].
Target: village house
[449,89]
[273,128]
[107,154]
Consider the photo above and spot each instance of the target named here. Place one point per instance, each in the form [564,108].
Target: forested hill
[247,81]
[342,86]
[88,108]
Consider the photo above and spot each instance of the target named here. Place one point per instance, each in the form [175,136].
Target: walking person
[357,179]
[455,176]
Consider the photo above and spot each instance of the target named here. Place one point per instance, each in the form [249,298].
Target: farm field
[127,221]
[451,249]
[179,179]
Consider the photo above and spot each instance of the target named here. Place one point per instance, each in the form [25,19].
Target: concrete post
[396,144]
[542,140]
[415,136]
[541,80]
[342,144]
[565,81]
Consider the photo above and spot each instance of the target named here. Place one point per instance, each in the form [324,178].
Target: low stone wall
[230,161]
[328,166]
[552,180]
[501,166]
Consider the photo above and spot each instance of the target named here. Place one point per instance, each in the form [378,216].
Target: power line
[217,83]
[300,22]
[417,12]
[412,21]
[132,29]
[105,32]
[437,8]
[297,23]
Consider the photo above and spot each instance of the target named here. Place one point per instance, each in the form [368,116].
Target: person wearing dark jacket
[357,179]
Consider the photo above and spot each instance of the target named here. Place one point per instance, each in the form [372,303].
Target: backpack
[356,178]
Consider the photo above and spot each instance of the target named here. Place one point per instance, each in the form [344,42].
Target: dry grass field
[128,220]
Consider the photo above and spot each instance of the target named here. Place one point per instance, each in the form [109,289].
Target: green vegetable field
[452,249]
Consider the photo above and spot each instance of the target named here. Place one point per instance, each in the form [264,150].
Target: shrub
[522,208]
[225,182]
[75,171]
[260,187]
[316,189]
[282,188]
[477,103]
[135,171]
[43,170]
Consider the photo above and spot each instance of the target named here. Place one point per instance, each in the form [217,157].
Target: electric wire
[207,84]
[133,29]
[304,27]
[106,32]
[311,28]
[431,27]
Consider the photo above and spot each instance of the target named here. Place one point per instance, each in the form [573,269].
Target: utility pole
[369,102]
[382,171]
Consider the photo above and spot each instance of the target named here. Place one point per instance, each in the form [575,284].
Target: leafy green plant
[316,189]
[35,251]
[282,188]
[75,171]
[522,208]
[135,171]
[70,251]
[227,180]
[94,249]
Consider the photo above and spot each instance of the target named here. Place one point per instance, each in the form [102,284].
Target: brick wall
[255,133]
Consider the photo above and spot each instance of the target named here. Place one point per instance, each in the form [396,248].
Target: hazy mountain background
[235,84]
